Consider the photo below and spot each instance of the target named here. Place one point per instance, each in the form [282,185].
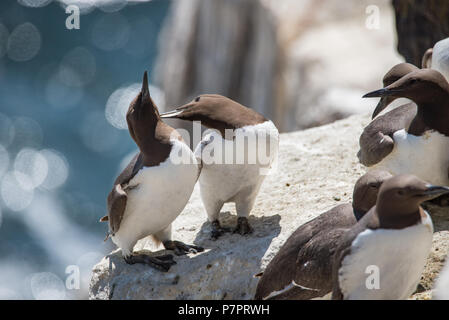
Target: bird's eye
[401,192]
[373,185]
[197,99]
[412,81]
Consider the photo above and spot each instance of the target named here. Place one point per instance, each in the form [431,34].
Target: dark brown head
[399,199]
[428,89]
[395,73]
[216,112]
[366,190]
[143,115]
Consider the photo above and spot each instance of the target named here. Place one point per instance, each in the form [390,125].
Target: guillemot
[302,269]
[376,140]
[383,255]
[428,132]
[153,189]
[231,181]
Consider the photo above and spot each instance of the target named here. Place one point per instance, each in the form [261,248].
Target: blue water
[26,241]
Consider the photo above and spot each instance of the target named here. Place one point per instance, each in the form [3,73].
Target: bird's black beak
[383,103]
[386,96]
[380,93]
[171,114]
[432,191]
[145,91]
[176,112]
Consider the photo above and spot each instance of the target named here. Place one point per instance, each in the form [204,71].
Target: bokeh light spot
[85,6]
[16,190]
[110,5]
[118,103]
[24,42]
[34,3]
[33,164]
[47,286]
[4,160]
[7,130]
[27,133]
[77,68]
[110,32]
[61,96]
[58,169]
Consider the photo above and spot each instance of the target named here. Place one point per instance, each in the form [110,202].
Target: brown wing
[376,141]
[281,270]
[370,221]
[116,207]
[117,198]
[314,262]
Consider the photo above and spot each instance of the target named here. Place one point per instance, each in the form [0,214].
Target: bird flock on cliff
[375,247]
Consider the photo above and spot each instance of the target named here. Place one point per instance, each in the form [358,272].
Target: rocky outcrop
[301,63]
[317,169]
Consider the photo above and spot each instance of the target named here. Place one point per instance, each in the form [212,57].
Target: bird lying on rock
[302,269]
[384,254]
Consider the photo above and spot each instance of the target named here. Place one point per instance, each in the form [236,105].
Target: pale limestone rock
[317,170]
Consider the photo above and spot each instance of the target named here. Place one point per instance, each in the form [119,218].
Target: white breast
[399,255]
[425,156]
[441,291]
[160,195]
[440,57]
[231,165]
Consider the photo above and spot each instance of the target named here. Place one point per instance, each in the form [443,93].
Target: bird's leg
[243,209]
[217,230]
[181,248]
[243,227]
[162,263]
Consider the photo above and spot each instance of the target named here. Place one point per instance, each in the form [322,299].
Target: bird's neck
[154,144]
[393,220]
[432,115]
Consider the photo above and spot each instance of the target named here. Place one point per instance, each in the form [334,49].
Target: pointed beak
[145,90]
[171,114]
[383,103]
[435,191]
[379,93]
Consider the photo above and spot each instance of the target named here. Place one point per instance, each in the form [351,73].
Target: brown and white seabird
[224,181]
[384,254]
[302,269]
[376,140]
[422,147]
[153,189]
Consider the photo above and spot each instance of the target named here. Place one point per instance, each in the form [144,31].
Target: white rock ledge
[317,170]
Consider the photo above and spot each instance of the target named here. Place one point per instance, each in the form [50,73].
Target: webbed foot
[243,227]
[162,263]
[217,230]
[181,248]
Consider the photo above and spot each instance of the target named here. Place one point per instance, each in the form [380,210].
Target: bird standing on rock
[224,178]
[302,269]
[384,254]
[155,186]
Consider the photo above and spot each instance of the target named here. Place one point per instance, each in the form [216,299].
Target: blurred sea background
[64,93]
